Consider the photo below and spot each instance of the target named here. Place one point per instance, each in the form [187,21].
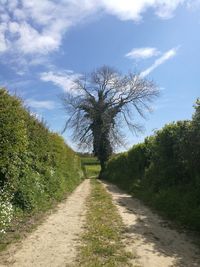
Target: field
[91,166]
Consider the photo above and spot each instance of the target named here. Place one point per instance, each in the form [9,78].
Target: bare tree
[99,105]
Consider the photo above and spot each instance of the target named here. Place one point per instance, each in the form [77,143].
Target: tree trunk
[102,163]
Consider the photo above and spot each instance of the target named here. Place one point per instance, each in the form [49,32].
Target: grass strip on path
[101,241]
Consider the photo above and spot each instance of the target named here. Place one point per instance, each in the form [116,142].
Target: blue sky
[45,45]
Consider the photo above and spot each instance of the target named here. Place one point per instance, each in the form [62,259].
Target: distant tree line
[164,171]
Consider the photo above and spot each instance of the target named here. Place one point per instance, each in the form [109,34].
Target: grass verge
[101,241]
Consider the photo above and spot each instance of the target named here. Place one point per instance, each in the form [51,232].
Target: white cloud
[31,41]
[3,42]
[38,26]
[166,56]
[63,79]
[142,53]
[193,4]
[3,45]
[133,10]
[40,104]
[166,8]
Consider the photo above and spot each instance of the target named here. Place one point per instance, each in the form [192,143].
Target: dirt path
[54,243]
[149,237]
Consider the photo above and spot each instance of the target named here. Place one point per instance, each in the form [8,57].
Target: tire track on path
[149,237]
[54,243]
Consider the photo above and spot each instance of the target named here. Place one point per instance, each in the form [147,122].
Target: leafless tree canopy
[101,102]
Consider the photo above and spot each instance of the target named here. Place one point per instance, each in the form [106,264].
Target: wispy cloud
[133,10]
[3,42]
[165,9]
[166,56]
[40,104]
[38,27]
[63,79]
[31,30]
[193,5]
[142,53]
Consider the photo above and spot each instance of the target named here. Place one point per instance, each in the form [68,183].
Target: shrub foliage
[36,166]
[164,171]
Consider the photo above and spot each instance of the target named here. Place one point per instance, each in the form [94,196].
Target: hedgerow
[164,171]
[37,168]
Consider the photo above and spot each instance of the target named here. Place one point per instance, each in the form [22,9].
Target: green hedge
[36,166]
[164,171]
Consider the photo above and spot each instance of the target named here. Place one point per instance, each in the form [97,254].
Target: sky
[46,44]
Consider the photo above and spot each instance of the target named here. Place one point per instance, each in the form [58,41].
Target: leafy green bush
[36,166]
[13,138]
[164,171]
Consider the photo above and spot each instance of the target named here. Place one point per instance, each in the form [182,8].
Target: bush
[36,166]
[13,138]
[164,171]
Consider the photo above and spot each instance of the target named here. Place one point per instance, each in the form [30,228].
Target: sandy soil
[149,237]
[55,242]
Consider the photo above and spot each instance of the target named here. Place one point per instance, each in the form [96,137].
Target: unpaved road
[149,237]
[55,242]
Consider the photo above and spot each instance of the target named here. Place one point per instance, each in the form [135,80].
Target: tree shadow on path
[152,233]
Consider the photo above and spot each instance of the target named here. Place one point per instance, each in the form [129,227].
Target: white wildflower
[6,211]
